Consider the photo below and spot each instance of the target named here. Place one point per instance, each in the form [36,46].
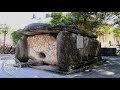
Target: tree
[57,18]
[61,18]
[89,21]
[15,37]
[117,35]
[117,32]
[4,29]
[116,17]
[103,29]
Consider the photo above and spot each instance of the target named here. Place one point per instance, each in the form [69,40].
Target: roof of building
[37,28]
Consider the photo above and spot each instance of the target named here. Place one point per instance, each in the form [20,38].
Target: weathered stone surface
[46,67]
[37,28]
[12,51]
[34,62]
[66,50]
[21,52]
[69,56]
[91,51]
[42,48]
[59,45]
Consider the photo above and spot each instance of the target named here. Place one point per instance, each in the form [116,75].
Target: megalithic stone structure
[65,46]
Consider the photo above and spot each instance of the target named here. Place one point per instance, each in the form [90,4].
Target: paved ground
[111,69]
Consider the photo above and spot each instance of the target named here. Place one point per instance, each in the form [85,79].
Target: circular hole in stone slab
[42,55]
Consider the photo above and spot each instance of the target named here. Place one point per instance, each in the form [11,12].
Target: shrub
[15,37]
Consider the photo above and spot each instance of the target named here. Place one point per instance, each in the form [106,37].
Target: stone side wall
[42,48]
[70,56]
[66,50]
[21,51]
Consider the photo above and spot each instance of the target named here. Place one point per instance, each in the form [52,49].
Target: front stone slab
[42,48]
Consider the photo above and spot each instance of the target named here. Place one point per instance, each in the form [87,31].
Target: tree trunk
[4,42]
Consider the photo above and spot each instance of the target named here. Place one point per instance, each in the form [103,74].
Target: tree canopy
[117,32]
[15,37]
[4,29]
[57,17]
[90,21]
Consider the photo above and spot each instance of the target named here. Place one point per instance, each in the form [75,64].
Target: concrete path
[111,69]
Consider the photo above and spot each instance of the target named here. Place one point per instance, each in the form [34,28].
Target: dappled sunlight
[105,64]
[107,73]
[75,75]
[35,76]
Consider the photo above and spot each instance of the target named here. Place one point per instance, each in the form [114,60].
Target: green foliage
[116,32]
[15,37]
[96,22]
[104,29]
[4,28]
[67,19]
[90,20]
[57,17]
[84,20]
[116,17]
[61,18]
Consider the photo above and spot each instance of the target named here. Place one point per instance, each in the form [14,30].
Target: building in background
[44,18]
[109,39]
[18,20]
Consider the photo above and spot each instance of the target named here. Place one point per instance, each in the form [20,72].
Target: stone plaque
[79,41]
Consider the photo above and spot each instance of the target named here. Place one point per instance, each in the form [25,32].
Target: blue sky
[18,20]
